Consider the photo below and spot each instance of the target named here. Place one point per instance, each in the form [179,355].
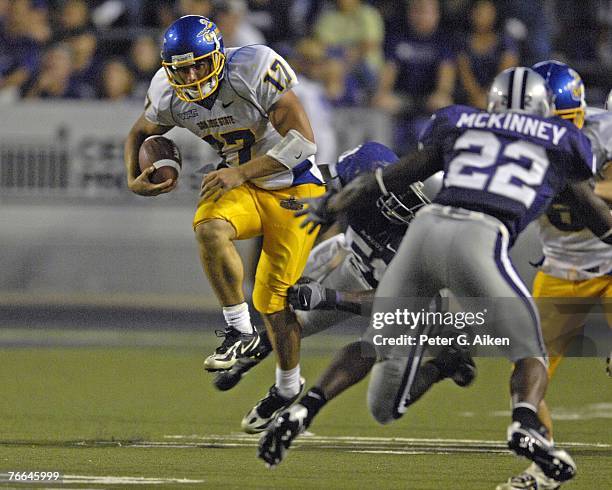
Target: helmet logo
[576,86]
[209,33]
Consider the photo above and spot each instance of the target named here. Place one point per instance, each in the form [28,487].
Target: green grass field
[136,408]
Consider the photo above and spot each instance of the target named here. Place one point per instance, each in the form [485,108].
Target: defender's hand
[142,186]
[217,183]
[308,295]
[351,194]
[315,212]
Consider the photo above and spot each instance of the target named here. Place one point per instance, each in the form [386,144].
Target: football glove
[315,212]
[308,295]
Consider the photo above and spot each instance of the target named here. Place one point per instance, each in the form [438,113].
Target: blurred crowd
[405,58]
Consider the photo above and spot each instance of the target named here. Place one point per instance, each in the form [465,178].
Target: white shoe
[266,410]
[235,345]
[531,479]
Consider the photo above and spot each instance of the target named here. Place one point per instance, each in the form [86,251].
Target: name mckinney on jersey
[512,121]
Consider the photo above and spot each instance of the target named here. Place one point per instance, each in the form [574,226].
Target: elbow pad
[292,150]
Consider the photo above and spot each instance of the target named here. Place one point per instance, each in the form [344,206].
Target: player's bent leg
[393,388]
[328,263]
[386,388]
[223,267]
[516,319]
[285,251]
[527,436]
[560,320]
[284,333]
[397,367]
[220,260]
[216,225]
[350,365]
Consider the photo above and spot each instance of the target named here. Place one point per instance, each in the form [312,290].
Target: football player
[240,101]
[576,263]
[340,277]
[461,242]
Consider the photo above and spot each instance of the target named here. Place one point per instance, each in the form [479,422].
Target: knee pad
[384,391]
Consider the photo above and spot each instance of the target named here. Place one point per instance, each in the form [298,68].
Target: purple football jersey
[507,165]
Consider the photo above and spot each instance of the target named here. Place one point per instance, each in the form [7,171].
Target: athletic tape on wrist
[293,149]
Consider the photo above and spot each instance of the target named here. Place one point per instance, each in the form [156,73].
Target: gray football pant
[466,252]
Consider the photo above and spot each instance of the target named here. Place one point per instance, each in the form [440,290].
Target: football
[164,155]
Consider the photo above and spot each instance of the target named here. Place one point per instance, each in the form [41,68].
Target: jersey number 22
[480,150]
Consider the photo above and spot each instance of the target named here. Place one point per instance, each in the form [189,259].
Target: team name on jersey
[216,123]
[512,121]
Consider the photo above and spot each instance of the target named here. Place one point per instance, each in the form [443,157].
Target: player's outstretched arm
[590,209]
[308,295]
[364,190]
[140,184]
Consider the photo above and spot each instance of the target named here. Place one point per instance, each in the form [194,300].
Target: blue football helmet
[366,158]
[193,40]
[567,88]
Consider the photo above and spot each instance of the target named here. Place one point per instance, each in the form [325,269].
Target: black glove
[316,212]
[308,295]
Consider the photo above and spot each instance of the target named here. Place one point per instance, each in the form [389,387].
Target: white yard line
[308,438]
[113,480]
[125,480]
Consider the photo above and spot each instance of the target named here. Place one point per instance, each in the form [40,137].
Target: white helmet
[520,89]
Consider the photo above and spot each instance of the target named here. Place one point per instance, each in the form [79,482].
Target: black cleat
[530,443]
[226,380]
[278,437]
[266,410]
[235,345]
[456,364]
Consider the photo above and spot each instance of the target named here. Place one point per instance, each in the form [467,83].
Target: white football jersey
[570,250]
[234,120]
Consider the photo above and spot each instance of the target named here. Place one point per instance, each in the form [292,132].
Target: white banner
[75,149]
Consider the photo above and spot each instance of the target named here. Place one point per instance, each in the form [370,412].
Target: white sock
[288,382]
[238,317]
